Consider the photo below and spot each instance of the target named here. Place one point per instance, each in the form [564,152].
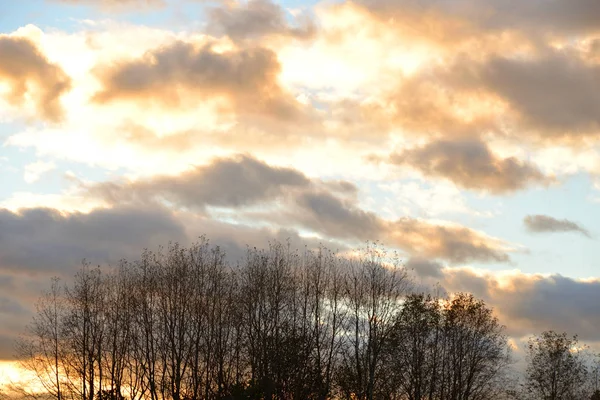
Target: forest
[184,323]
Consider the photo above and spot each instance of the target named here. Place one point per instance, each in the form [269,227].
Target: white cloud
[34,171]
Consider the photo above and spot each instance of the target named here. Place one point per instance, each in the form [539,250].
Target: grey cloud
[343,187]
[37,244]
[325,213]
[227,182]
[425,268]
[247,77]
[255,19]
[235,239]
[6,281]
[470,164]
[7,345]
[11,307]
[43,240]
[328,208]
[534,303]
[551,16]
[559,92]
[29,73]
[545,223]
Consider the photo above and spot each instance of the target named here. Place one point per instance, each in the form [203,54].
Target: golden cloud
[182,75]
[29,76]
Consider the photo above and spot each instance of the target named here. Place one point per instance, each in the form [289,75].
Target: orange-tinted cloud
[463,18]
[182,75]
[256,19]
[555,94]
[116,5]
[334,216]
[472,165]
[28,73]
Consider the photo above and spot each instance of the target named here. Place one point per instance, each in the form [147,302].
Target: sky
[462,134]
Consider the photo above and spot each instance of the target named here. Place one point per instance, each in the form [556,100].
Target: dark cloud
[336,217]
[425,268]
[227,182]
[545,223]
[471,164]
[255,19]
[530,304]
[29,73]
[36,244]
[183,75]
[43,240]
[9,307]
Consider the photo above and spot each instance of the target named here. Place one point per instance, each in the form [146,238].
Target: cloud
[236,238]
[255,19]
[459,18]
[425,268]
[342,218]
[545,223]
[472,165]
[552,94]
[38,243]
[333,216]
[455,243]
[226,182]
[28,73]
[557,93]
[34,171]
[532,303]
[288,199]
[184,75]
[42,240]
[116,5]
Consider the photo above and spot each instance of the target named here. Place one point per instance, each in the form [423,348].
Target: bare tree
[374,292]
[414,352]
[476,352]
[182,324]
[42,349]
[555,367]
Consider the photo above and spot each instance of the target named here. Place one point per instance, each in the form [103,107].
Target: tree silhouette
[183,324]
[555,367]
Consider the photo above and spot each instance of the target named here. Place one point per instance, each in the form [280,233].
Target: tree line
[183,324]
